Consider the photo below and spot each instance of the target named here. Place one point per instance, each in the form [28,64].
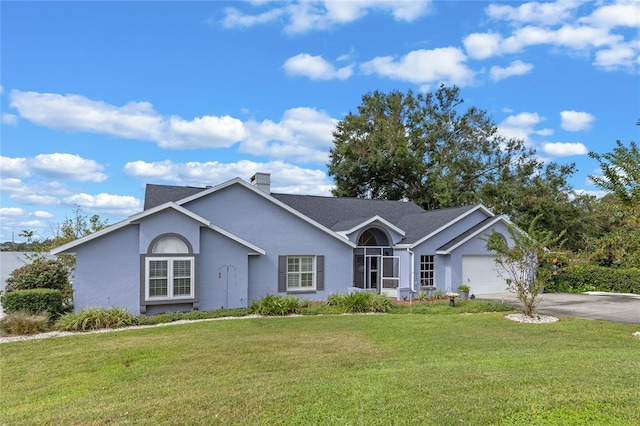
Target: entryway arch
[375,269]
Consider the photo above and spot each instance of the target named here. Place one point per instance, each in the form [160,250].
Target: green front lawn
[330,370]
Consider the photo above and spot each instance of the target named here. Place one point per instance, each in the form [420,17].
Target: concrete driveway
[613,307]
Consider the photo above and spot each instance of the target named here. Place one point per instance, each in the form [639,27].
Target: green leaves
[620,172]
[427,149]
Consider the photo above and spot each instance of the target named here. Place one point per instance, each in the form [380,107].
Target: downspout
[412,270]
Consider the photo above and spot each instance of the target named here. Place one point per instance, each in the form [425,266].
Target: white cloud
[445,64]
[44,193]
[14,167]
[67,167]
[515,68]
[574,121]
[135,120]
[42,214]
[482,45]
[11,211]
[202,132]
[555,24]
[285,177]
[304,16]
[564,149]
[316,68]
[303,134]
[581,38]
[547,13]
[57,166]
[624,55]
[120,204]
[525,37]
[544,132]
[9,119]
[234,18]
[620,14]
[21,213]
[519,126]
[51,193]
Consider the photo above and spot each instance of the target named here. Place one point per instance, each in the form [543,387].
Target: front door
[390,275]
[377,272]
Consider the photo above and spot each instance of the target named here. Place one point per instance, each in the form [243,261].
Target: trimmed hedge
[580,278]
[41,274]
[34,301]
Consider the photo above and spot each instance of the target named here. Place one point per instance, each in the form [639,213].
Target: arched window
[373,237]
[169,270]
[169,245]
[367,239]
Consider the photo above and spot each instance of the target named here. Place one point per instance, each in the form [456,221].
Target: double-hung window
[170,271]
[301,273]
[169,278]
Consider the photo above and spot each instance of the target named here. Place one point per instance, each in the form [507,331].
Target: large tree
[620,172]
[426,148]
[618,243]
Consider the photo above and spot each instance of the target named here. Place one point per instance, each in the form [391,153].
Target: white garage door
[480,273]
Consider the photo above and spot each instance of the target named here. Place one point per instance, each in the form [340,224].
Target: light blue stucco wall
[108,271]
[448,268]
[169,221]
[223,276]
[473,247]
[258,220]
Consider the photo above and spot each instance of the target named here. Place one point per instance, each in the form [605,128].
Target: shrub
[50,274]
[380,303]
[579,278]
[34,301]
[336,299]
[360,302]
[273,305]
[21,323]
[95,319]
[306,303]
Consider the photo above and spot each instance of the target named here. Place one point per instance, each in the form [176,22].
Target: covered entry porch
[377,269]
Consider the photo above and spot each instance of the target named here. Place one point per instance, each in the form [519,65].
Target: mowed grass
[330,370]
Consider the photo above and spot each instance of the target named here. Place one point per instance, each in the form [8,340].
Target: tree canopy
[620,172]
[428,149]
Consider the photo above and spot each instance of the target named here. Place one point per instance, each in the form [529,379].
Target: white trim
[371,220]
[272,199]
[489,224]
[314,272]
[450,223]
[170,277]
[136,218]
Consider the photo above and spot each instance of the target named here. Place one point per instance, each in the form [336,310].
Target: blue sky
[99,98]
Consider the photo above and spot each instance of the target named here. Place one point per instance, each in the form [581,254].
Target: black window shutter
[282,273]
[320,273]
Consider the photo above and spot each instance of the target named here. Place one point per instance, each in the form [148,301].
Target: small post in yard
[452,298]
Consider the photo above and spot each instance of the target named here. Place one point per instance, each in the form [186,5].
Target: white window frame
[427,260]
[170,277]
[299,273]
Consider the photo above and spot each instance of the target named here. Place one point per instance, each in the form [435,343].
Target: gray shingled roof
[341,213]
[465,234]
[338,213]
[155,195]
